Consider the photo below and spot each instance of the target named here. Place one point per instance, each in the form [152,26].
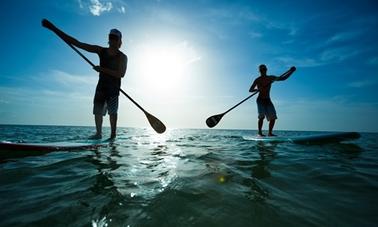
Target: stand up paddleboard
[309,139]
[15,150]
[66,146]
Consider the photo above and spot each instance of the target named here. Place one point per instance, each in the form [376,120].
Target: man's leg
[261,116]
[272,116]
[112,109]
[113,125]
[271,126]
[99,110]
[98,121]
[260,125]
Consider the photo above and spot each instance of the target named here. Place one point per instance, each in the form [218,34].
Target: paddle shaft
[93,65]
[240,102]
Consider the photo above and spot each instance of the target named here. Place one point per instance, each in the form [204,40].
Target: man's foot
[95,137]
[111,139]
[260,134]
[271,134]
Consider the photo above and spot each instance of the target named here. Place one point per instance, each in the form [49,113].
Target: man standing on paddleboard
[113,65]
[265,106]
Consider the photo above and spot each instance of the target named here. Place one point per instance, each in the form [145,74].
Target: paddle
[214,120]
[155,123]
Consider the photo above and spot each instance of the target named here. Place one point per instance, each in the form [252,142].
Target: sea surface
[188,177]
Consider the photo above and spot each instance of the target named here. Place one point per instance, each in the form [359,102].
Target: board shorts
[265,108]
[103,104]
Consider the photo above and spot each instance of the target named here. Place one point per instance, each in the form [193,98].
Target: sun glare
[163,69]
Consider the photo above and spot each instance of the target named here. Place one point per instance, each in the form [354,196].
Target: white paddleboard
[17,150]
[308,139]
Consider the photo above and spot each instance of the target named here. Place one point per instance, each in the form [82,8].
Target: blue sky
[189,60]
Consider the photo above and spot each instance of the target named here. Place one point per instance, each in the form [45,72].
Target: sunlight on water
[152,168]
[100,223]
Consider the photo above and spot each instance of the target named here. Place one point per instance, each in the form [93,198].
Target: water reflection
[131,172]
[267,154]
[259,171]
[107,197]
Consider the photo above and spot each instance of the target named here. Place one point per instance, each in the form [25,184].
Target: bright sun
[163,69]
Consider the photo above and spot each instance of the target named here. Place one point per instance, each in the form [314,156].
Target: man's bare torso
[264,83]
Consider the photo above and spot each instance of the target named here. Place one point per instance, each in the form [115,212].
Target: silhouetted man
[113,65]
[265,106]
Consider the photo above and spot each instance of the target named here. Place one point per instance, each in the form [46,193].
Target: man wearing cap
[113,65]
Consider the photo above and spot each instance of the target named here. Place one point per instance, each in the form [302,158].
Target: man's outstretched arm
[70,39]
[286,74]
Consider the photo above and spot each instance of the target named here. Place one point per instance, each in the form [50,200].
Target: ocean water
[188,177]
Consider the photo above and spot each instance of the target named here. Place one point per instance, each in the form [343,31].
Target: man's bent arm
[115,73]
[252,88]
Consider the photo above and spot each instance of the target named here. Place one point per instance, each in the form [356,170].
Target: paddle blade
[214,120]
[155,123]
